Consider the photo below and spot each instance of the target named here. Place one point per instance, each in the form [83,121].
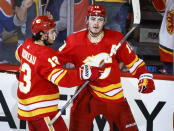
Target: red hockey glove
[146,84]
[89,73]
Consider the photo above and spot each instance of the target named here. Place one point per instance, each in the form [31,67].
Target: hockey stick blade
[136,9]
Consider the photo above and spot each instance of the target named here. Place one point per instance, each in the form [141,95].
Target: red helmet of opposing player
[42,23]
[96,10]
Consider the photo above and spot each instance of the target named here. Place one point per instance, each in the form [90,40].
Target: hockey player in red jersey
[105,95]
[40,74]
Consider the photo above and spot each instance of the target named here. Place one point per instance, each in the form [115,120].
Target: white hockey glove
[89,72]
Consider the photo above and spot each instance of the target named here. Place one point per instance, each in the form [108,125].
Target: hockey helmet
[96,10]
[42,23]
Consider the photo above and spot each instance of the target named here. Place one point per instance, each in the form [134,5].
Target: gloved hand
[89,72]
[146,84]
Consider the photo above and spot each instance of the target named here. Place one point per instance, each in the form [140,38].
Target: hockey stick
[136,10]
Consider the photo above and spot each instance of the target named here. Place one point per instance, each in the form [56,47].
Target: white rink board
[158,104]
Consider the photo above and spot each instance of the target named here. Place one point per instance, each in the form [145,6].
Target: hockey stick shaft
[135,4]
[68,103]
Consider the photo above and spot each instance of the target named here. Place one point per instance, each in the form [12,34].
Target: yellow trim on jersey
[60,77]
[134,72]
[107,88]
[166,51]
[133,62]
[117,96]
[38,98]
[55,70]
[37,112]
[121,1]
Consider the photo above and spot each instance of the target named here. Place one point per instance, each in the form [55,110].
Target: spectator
[125,16]
[25,12]
[113,19]
[6,22]
[80,8]
[58,9]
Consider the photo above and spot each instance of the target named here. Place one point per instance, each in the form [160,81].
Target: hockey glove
[146,84]
[89,72]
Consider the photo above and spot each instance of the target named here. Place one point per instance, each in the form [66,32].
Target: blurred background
[69,16]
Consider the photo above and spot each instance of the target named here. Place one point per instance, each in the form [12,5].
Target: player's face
[52,35]
[95,24]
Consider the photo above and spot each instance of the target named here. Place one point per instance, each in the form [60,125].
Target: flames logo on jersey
[170,21]
[97,60]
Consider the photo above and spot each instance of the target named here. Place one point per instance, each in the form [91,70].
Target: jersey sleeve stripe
[134,72]
[55,75]
[60,77]
[135,65]
[133,62]
[52,73]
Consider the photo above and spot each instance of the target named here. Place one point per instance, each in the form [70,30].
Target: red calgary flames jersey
[79,50]
[40,73]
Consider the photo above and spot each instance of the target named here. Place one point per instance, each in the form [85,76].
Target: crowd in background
[16,17]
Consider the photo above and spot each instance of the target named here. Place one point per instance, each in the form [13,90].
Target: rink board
[152,112]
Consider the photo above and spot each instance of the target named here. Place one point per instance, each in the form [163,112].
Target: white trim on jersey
[54,76]
[136,64]
[38,105]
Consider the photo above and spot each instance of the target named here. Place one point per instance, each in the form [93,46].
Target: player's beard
[47,43]
[93,34]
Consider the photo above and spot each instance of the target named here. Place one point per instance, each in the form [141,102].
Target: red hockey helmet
[96,10]
[42,23]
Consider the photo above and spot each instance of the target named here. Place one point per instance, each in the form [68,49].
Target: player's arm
[70,78]
[51,69]
[66,52]
[136,67]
